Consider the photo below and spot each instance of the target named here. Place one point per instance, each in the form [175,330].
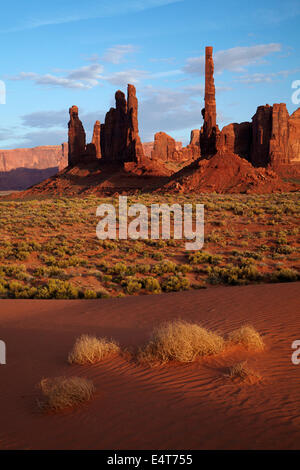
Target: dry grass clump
[89,350]
[242,371]
[248,337]
[180,341]
[64,392]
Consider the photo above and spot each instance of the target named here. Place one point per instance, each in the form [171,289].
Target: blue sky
[70,52]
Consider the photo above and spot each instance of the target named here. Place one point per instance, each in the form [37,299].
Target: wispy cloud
[235,59]
[82,78]
[95,9]
[89,76]
[123,77]
[116,54]
[254,78]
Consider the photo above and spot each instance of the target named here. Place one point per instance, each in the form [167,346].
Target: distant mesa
[242,157]
[24,167]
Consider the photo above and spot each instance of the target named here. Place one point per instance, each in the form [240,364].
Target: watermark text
[2,92]
[2,353]
[185,222]
[296,93]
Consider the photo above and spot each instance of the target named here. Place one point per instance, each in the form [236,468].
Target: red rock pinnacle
[135,151]
[210,100]
[210,128]
[96,139]
[77,145]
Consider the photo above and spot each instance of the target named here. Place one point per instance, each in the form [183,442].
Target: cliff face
[294,137]
[39,158]
[261,135]
[278,151]
[21,168]
[275,136]
[236,138]
[272,139]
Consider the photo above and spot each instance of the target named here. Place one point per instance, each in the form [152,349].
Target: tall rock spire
[135,151]
[210,91]
[77,144]
[209,128]
[96,140]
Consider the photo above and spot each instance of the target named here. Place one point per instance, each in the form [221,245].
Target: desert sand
[190,406]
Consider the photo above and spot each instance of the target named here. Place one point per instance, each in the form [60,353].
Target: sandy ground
[176,406]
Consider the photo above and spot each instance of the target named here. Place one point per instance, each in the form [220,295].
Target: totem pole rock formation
[209,129]
[271,139]
[96,140]
[120,140]
[77,146]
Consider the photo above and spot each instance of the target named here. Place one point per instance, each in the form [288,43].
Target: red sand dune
[172,407]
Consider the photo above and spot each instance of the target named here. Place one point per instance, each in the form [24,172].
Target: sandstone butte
[242,157]
[21,168]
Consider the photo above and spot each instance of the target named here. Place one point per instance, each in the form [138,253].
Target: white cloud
[235,59]
[116,54]
[83,78]
[254,78]
[124,77]
[89,76]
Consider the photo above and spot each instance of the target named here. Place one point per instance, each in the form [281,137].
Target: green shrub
[132,285]
[164,267]
[57,289]
[90,294]
[234,275]
[175,283]
[202,257]
[285,275]
[152,285]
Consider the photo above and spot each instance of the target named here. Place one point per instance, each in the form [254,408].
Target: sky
[65,52]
